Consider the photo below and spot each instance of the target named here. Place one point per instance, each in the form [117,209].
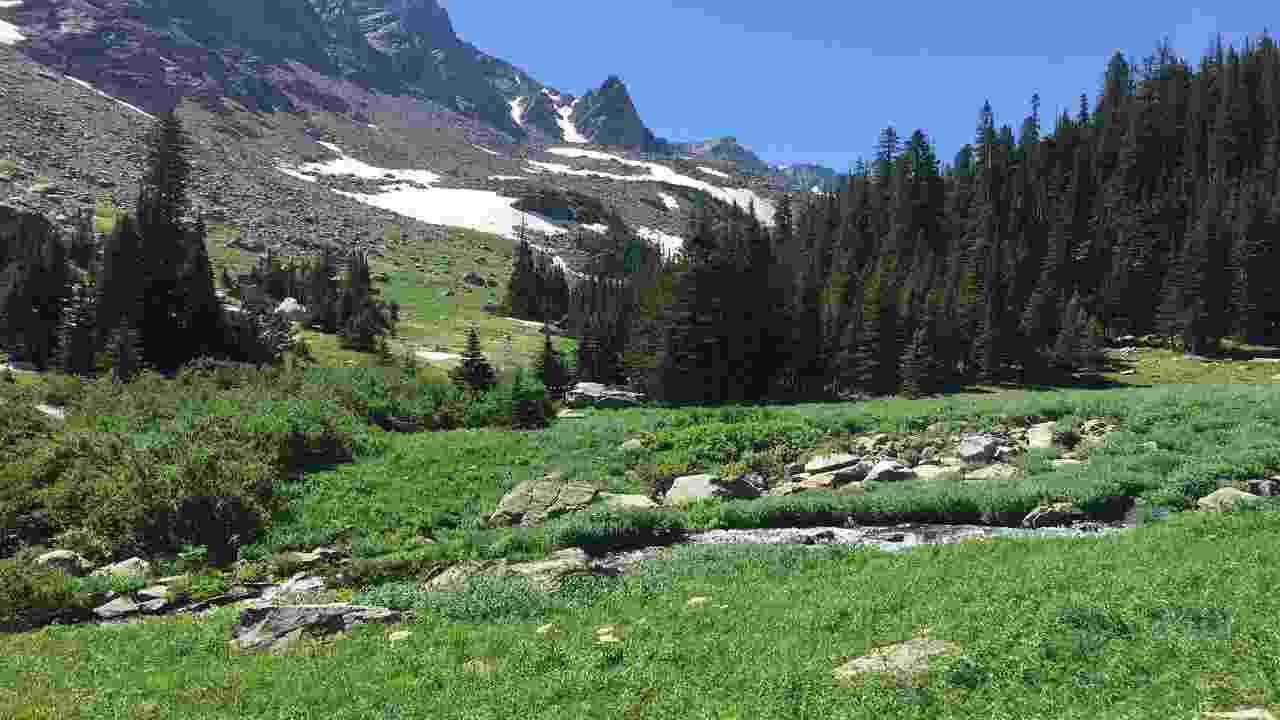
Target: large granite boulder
[71,563]
[534,501]
[543,575]
[890,471]
[277,627]
[978,448]
[1225,498]
[695,487]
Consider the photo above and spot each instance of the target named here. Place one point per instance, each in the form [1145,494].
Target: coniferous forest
[144,295]
[1153,212]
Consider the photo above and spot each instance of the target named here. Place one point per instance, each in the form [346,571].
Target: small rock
[1264,488]
[118,608]
[632,444]
[889,471]
[568,414]
[474,279]
[998,471]
[977,448]
[932,472]
[903,659]
[696,601]
[828,463]
[1064,462]
[1224,499]
[155,592]
[399,636]
[550,630]
[792,469]
[71,563]
[135,567]
[1040,436]
[618,502]
[853,488]
[855,473]
[480,666]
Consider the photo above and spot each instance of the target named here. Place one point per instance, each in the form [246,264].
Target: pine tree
[124,348]
[526,405]
[474,375]
[549,368]
[920,372]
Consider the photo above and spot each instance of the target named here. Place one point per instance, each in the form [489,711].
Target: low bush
[28,591]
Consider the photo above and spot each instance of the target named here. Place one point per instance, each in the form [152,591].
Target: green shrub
[601,530]
[27,590]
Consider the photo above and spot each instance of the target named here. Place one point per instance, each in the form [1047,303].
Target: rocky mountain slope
[325,120]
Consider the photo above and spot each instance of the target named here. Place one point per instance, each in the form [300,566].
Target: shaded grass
[1101,627]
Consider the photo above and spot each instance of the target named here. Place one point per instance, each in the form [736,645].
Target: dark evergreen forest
[1154,212]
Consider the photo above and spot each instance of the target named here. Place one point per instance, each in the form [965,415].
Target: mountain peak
[608,116]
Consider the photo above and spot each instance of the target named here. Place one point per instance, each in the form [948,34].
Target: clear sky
[816,80]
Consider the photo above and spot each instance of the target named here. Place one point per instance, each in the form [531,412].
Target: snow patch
[713,171]
[93,89]
[507,177]
[670,201]
[597,227]
[9,34]
[485,149]
[816,190]
[517,111]
[669,243]
[570,131]
[660,173]
[482,210]
[5,4]
[347,165]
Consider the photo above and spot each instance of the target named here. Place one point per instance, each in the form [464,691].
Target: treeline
[1155,212]
[144,296]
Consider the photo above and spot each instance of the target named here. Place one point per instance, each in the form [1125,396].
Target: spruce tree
[474,375]
[549,368]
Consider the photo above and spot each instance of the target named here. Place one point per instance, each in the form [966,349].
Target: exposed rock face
[543,575]
[978,448]
[133,567]
[607,116]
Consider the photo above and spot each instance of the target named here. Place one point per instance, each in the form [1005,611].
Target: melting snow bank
[670,244]
[413,196]
[567,127]
[517,111]
[9,34]
[91,88]
[712,171]
[660,173]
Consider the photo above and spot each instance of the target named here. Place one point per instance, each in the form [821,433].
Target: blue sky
[816,81]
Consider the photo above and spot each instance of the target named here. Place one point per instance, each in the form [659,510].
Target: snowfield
[567,127]
[482,210]
[660,173]
[9,34]
[713,171]
[517,111]
[670,244]
[93,89]
[669,201]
